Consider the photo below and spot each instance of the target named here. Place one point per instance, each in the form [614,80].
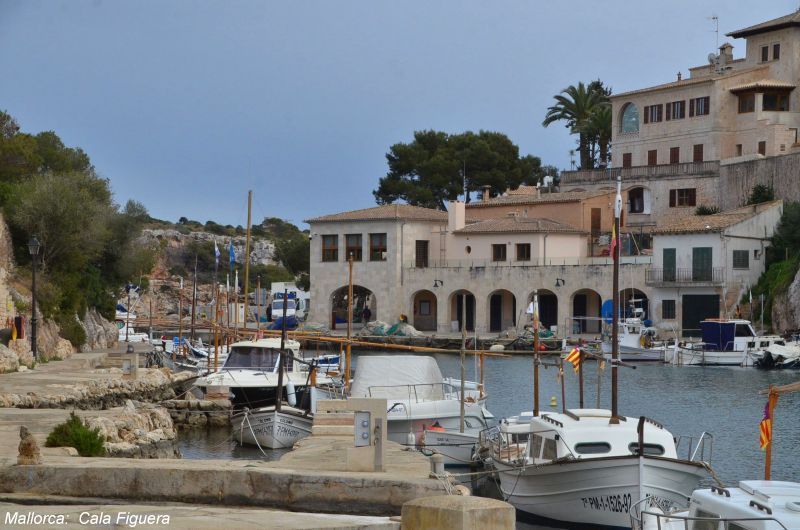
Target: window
[776,52]
[676,110]
[630,119]
[741,259]
[775,101]
[626,160]
[699,106]
[421,248]
[674,155]
[762,148]
[764,54]
[697,153]
[377,247]
[592,448]
[669,264]
[353,246]
[636,200]
[738,149]
[536,447]
[425,307]
[647,449]
[653,113]
[705,525]
[330,248]
[683,197]
[747,103]
[468,249]
[499,252]
[668,309]
[652,157]
[701,264]
[743,330]
[523,251]
[550,450]
[756,254]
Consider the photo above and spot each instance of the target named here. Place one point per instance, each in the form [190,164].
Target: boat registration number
[608,503]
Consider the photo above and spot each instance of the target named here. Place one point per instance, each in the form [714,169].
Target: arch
[424,307]
[639,199]
[630,298]
[502,310]
[586,304]
[548,308]
[456,314]
[628,119]
[362,298]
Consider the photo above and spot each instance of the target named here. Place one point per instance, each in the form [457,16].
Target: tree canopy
[433,168]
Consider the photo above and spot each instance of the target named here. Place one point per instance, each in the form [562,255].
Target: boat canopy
[398,377]
[719,334]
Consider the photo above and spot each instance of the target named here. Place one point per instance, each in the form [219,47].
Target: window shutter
[692,197]
[672,195]
[669,111]
[691,108]
[647,114]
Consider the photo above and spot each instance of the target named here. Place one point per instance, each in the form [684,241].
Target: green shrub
[71,329]
[706,210]
[75,433]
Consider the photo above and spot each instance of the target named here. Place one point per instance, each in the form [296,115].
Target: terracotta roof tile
[532,198]
[792,19]
[712,223]
[518,224]
[762,84]
[386,212]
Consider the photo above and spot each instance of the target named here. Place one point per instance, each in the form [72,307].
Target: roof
[518,224]
[386,212]
[531,197]
[713,223]
[763,84]
[786,21]
[674,84]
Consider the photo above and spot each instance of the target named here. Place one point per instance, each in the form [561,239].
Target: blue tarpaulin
[291,323]
[718,335]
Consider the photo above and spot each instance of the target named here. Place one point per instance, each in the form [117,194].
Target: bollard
[437,464]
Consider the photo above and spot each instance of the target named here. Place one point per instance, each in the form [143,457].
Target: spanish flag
[575,358]
[613,248]
[765,428]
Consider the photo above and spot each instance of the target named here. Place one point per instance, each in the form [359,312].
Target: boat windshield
[278,305]
[256,358]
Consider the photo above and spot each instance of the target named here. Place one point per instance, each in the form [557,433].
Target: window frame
[682,197]
[355,250]
[780,98]
[746,103]
[740,259]
[699,106]
[501,247]
[652,157]
[674,155]
[776,51]
[378,252]
[762,148]
[676,110]
[764,53]
[594,445]
[526,254]
[330,253]
[668,309]
[698,153]
[627,160]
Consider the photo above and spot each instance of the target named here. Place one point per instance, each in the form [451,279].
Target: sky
[187,105]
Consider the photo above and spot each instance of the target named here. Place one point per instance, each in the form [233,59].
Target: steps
[333,424]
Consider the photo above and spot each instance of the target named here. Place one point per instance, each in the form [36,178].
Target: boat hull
[633,354]
[268,428]
[688,357]
[597,491]
[457,448]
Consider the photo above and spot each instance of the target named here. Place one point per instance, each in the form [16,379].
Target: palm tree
[598,129]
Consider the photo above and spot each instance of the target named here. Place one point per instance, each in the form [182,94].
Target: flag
[232,254]
[613,242]
[575,358]
[216,253]
[765,427]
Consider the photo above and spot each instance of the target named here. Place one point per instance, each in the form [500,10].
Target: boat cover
[398,377]
[718,335]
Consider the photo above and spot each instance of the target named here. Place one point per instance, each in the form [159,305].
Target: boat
[128,334]
[777,356]
[271,428]
[578,467]
[753,505]
[725,342]
[424,408]
[636,342]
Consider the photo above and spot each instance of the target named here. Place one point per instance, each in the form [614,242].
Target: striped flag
[216,253]
[613,242]
[765,427]
[575,358]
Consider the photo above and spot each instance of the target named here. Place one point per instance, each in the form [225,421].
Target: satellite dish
[712,58]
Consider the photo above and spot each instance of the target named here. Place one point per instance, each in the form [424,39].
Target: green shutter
[701,264]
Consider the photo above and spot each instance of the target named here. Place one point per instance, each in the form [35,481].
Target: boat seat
[512,452]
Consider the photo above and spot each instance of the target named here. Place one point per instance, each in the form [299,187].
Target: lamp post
[33,248]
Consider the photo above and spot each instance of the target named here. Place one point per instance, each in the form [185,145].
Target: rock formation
[29,453]
[137,430]
[261,250]
[786,308]
[100,333]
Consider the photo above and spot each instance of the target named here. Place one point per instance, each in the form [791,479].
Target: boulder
[29,453]
[23,350]
[100,333]
[9,361]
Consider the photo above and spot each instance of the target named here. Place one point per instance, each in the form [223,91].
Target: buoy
[497,347]
[291,397]
[411,440]
[553,401]
[542,347]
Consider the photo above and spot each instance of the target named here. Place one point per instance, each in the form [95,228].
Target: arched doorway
[362,298]
[502,310]
[630,299]
[424,309]
[457,299]
[586,305]
[548,308]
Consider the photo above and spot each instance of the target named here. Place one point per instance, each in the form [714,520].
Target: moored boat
[271,428]
[725,342]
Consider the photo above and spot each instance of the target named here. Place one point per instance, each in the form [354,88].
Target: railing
[540,262]
[666,277]
[428,391]
[637,172]
[695,449]
[648,513]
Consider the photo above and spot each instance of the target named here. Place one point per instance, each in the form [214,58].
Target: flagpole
[771,402]
[615,298]
[247,258]
[535,319]
[580,378]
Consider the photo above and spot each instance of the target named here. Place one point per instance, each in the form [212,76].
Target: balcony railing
[637,172]
[541,262]
[672,277]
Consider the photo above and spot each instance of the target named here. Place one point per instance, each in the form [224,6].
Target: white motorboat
[128,334]
[420,399]
[267,427]
[725,342]
[777,356]
[636,342]
[579,468]
[754,505]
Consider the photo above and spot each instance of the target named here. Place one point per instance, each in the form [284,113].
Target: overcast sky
[185,105]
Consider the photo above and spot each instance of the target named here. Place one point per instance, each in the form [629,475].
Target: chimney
[679,76]
[486,193]
[456,216]
[726,54]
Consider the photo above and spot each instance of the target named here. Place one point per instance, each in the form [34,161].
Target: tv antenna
[715,20]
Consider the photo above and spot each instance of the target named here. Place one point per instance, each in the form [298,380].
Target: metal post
[194,297]
[247,259]
[462,355]
[580,377]
[615,294]
[34,349]
[180,320]
[128,313]
[216,328]
[535,318]
[258,303]
[349,321]
[279,389]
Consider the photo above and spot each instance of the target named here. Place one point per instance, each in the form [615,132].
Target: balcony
[713,277]
[589,176]
[535,262]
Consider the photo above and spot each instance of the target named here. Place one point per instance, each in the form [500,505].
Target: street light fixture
[33,248]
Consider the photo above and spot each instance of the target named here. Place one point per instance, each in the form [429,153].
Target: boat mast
[349,322]
[462,355]
[279,389]
[194,297]
[247,258]
[615,298]
[180,321]
[535,318]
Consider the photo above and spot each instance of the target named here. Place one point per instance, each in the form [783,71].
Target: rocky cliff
[786,308]
[261,250]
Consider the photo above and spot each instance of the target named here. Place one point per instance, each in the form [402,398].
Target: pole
[615,295]
[194,297]
[236,302]
[180,321]
[563,390]
[228,302]
[128,313]
[599,379]
[258,302]
[535,317]
[772,401]
[279,389]
[34,349]
[349,322]
[762,313]
[580,377]
[150,326]
[247,258]
[216,328]
[462,355]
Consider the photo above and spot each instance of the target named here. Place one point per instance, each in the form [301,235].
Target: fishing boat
[725,342]
[778,356]
[636,342]
[753,505]
[271,428]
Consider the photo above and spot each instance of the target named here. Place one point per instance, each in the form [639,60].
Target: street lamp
[33,248]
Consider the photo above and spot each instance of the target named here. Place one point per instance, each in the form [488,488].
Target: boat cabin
[776,500]
[734,335]
[261,355]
